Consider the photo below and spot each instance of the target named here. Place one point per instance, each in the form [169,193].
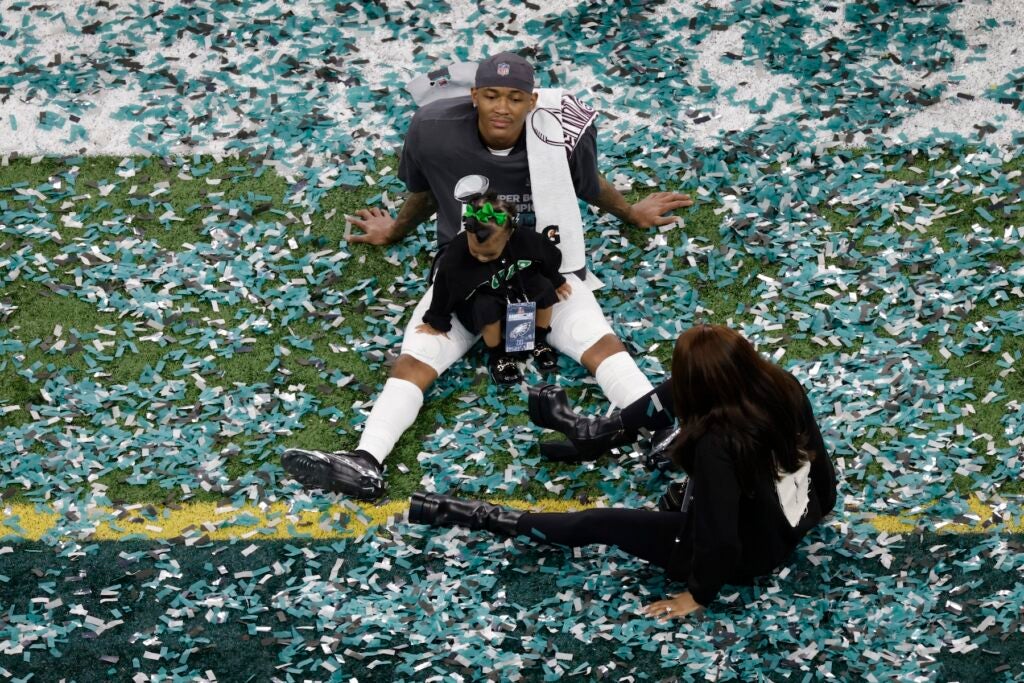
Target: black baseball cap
[505,70]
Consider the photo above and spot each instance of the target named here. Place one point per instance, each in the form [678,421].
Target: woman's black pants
[648,534]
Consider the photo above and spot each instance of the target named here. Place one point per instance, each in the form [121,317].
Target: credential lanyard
[520,326]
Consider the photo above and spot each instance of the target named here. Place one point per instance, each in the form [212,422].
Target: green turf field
[170,326]
[167,208]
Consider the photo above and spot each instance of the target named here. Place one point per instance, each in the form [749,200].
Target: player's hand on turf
[427,329]
[564,291]
[651,210]
[678,605]
[377,226]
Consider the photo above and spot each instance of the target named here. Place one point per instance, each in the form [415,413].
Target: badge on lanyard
[520,326]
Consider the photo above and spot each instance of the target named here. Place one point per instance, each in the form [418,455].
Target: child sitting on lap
[493,274]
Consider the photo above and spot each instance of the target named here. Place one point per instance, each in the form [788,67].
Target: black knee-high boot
[591,437]
[436,509]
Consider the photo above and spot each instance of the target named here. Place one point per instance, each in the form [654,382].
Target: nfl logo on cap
[503,69]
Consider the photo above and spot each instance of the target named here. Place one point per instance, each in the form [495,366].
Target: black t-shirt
[443,145]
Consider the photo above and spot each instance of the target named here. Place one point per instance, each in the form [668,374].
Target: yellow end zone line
[199,522]
[209,521]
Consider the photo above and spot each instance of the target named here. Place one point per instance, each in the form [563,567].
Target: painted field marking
[200,522]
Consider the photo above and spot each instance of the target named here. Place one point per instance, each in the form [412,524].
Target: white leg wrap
[578,322]
[393,412]
[621,379]
[437,351]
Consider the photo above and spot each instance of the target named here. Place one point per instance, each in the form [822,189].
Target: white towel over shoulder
[552,131]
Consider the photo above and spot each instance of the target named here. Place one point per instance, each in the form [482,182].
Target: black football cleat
[357,474]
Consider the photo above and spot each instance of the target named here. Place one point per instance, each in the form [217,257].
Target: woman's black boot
[591,437]
[436,509]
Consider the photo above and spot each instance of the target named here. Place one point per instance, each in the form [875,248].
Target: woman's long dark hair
[721,384]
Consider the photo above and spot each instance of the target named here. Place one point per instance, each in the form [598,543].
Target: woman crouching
[759,478]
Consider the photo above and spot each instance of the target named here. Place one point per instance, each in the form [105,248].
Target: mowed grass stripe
[202,521]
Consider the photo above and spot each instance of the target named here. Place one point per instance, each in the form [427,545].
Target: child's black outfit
[478,293]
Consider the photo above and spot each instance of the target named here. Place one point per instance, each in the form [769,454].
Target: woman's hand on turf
[564,291]
[678,605]
[377,225]
[651,210]
[427,329]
